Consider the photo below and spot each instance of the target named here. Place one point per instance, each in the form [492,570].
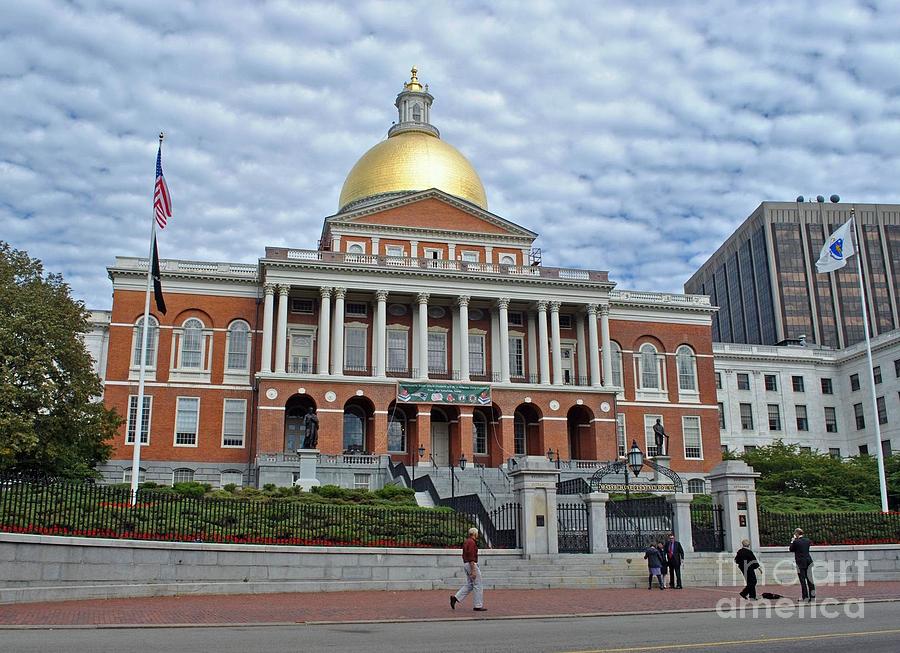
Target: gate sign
[444,393]
[637,487]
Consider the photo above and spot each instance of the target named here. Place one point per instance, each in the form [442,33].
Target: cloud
[634,137]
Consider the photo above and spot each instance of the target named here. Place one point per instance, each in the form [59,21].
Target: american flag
[162,203]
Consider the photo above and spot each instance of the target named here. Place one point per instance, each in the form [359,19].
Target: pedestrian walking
[654,558]
[748,564]
[473,574]
[674,557]
[800,548]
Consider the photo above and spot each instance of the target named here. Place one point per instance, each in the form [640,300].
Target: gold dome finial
[413,83]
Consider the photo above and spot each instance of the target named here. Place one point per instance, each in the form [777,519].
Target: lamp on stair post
[421,451]
[462,465]
[635,462]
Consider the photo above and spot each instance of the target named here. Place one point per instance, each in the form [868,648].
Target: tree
[50,421]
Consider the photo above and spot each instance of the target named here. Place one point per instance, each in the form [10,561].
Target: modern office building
[764,280]
[421,328]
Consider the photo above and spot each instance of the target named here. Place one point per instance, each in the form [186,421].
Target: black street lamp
[462,465]
[635,462]
[421,454]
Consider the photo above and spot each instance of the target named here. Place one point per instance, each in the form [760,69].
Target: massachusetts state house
[422,327]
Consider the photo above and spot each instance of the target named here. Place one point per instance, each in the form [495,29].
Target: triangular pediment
[430,210]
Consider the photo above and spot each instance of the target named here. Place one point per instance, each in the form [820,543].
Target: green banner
[444,393]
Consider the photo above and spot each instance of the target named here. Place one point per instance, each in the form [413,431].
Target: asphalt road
[876,630]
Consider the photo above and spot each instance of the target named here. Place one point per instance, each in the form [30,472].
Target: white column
[281,334]
[593,345]
[463,302]
[268,310]
[380,342]
[542,342]
[324,328]
[503,309]
[489,255]
[422,298]
[495,345]
[605,344]
[413,248]
[532,346]
[555,351]
[337,335]
[580,350]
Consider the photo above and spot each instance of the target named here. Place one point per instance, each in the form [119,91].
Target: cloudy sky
[634,136]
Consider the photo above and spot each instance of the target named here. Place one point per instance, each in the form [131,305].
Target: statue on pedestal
[662,440]
[310,429]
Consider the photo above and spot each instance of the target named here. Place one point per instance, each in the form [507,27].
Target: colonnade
[593,356]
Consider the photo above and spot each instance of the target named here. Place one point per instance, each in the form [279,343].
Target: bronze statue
[662,440]
[311,428]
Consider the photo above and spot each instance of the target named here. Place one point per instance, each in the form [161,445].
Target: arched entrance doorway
[358,436]
[527,430]
[440,437]
[294,410]
[578,421]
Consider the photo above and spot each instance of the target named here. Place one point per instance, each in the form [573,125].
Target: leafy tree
[50,422]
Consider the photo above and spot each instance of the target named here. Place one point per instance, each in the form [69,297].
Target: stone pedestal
[534,485]
[681,512]
[596,503]
[285,470]
[307,476]
[663,461]
[733,484]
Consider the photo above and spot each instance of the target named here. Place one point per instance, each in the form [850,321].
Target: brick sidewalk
[388,606]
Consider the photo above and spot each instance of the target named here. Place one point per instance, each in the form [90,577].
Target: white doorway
[440,443]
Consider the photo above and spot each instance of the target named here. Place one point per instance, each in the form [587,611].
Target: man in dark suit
[674,557]
[800,547]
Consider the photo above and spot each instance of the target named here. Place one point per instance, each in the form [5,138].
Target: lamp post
[635,462]
[462,465]
[421,451]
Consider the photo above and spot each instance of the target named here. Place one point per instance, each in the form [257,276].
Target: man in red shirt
[473,574]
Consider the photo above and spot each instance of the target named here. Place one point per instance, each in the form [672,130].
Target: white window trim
[310,331]
[312,302]
[484,421]
[481,335]
[243,432]
[428,251]
[192,375]
[624,438]
[134,371]
[650,394]
[649,436]
[231,471]
[442,331]
[137,424]
[502,256]
[688,396]
[235,375]
[349,243]
[699,436]
[388,248]
[365,328]
[196,427]
[405,422]
[347,312]
[397,328]
[178,469]
[470,253]
[524,355]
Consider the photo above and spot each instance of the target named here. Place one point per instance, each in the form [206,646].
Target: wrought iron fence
[775,529]
[55,507]
[572,524]
[506,519]
[634,524]
[707,527]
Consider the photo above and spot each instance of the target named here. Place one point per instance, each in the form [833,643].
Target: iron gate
[572,524]
[635,524]
[707,527]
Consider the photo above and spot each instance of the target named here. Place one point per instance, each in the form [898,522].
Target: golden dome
[412,161]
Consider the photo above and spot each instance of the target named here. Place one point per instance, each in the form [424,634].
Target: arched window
[696,486]
[142,473]
[417,113]
[238,345]
[520,429]
[479,433]
[192,344]
[649,367]
[152,341]
[507,259]
[397,432]
[354,428]
[616,356]
[355,248]
[182,475]
[687,371]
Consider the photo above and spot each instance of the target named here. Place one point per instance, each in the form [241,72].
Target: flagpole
[139,418]
[865,312]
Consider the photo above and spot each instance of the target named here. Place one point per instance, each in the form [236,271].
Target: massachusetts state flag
[837,249]
[162,203]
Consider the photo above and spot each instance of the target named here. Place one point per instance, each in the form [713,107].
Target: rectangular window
[649,436]
[565,321]
[746,417]
[693,443]
[620,435]
[476,354]
[718,380]
[827,388]
[516,356]
[470,256]
[187,414]
[479,436]
[437,352]
[361,481]
[721,416]
[519,433]
[743,381]
[774,417]
[357,309]
[831,420]
[299,305]
[514,318]
[396,350]
[771,382]
[355,348]
[886,449]
[723,448]
[394,250]
[863,450]
[234,420]
[301,353]
[797,382]
[182,476]
[433,254]
[749,448]
[805,449]
[860,416]
[834,453]
[145,419]
[882,410]
[802,420]
[876,373]
[854,382]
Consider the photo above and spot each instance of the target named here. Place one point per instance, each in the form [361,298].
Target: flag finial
[162,135]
